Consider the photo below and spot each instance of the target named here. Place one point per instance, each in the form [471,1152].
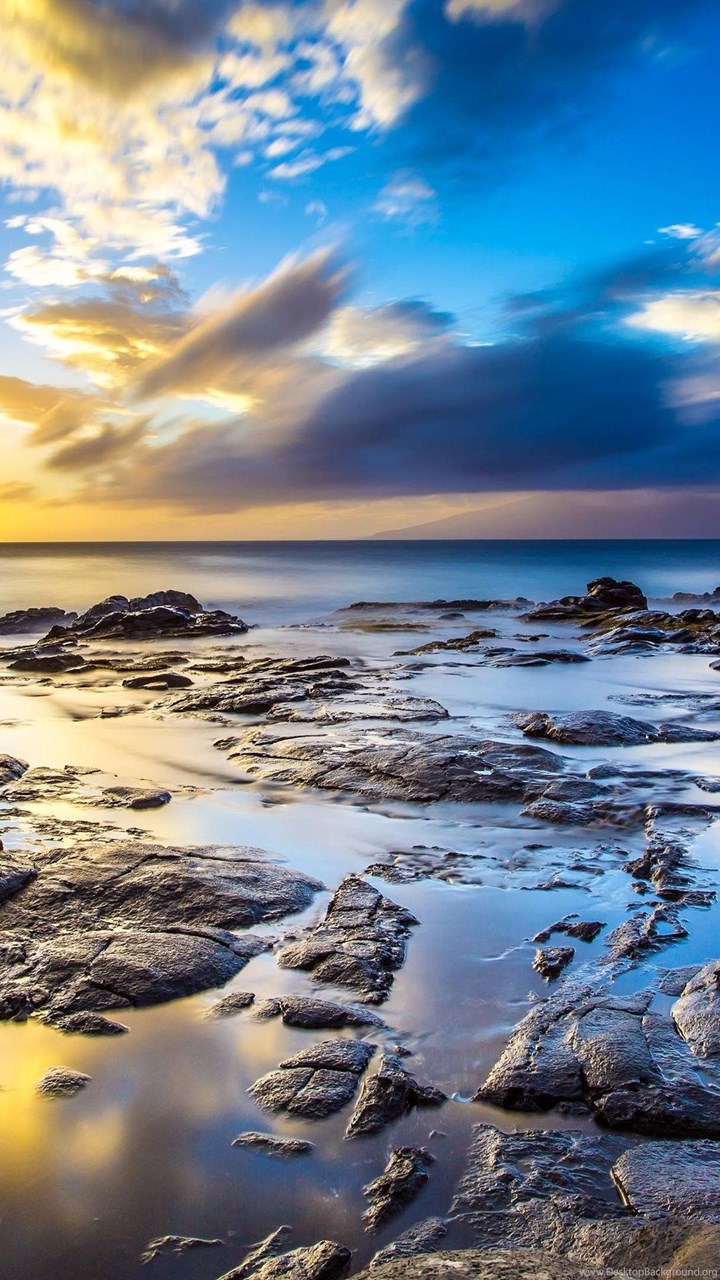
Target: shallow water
[145,1149]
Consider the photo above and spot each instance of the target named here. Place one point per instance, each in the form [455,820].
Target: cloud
[693,315]
[95,449]
[681,231]
[17,491]
[253,326]
[409,199]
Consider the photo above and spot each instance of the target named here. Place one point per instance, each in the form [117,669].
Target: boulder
[315,1082]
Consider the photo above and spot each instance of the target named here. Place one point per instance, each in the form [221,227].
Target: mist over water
[285,582]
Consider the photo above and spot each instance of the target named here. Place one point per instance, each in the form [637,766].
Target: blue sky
[325,268]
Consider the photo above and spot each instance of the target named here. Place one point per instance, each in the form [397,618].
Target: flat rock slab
[423,1237]
[478,1264]
[62,1082]
[398,765]
[272,1145]
[108,925]
[605,729]
[304,1011]
[697,1013]
[323,1261]
[387,1095]
[402,1179]
[316,1082]
[583,1051]
[360,943]
[86,1024]
[671,1178]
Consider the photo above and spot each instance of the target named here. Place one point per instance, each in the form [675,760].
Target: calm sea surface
[276,582]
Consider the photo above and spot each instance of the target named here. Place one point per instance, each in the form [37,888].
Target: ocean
[273,583]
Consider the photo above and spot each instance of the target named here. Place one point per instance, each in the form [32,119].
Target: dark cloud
[491,78]
[88,451]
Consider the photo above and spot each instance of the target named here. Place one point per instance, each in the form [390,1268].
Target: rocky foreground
[97,918]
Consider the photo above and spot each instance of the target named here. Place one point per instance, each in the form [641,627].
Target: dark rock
[61,1082]
[585,930]
[458,644]
[26,621]
[550,961]
[11,769]
[162,613]
[158,681]
[228,1006]
[87,1024]
[323,1261]
[485,1264]
[423,1237]
[387,1095]
[697,1013]
[48,663]
[359,944]
[343,710]
[176,1244]
[399,765]
[672,982]
[404,1176]
[586,728]
[282,1148]
[315,1082]
[671,1178]
[609,1056]
[14,876]
[304,1011]
[107,925]
[137,797]
[604,595]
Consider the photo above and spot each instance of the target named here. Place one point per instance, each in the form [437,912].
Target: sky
[335,267]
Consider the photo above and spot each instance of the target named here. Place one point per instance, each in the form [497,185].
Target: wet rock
[457,644]
[672,982]
[86,1024]
[158,681]
[671,1178]
[11,769]
[644,932]
[48,663]
[585,930]
[228,1006]
[27,621]
[315,1082]
[398,765]
[258,686]
[14,876]
[61,1082]
[387,1095]
[303,1011]
[341,711]
[485,1264]
[542,658]
[272,1145]
[604,595]
[550,961]
[178,1245]
[162,613]
[586,728]
[360,943]
[107,925]
[423,1237]
[403,1178]
[587,1052]
[137,797]
[697,1013]
[323,1261]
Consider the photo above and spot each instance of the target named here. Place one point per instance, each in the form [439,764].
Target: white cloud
[693,315]
[408,198]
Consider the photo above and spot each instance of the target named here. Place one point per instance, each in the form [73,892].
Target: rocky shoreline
[98,917]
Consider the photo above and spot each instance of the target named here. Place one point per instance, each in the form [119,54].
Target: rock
[137,797]
[61,1082]
[398,765]
[457,644]
[14,876]
[273,1145]
[423,1237]
[387,1095]
[315,1082]
[672,982]
[671,1178]
[485,1264]
[697,1013]
[550,961]
[266,1009]
[258,686]
[26,621]
[585,930]
[176,1244]
[87,1024]
[228,1006]
[48,663]
[584,1051]
[159,681]
[604,595]
[303,1011]
[11,769]
[323,1261]
[162,613]
[542,658]
[586,728]
[402,709]
[359,944]
[404,1176]
[104,926]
